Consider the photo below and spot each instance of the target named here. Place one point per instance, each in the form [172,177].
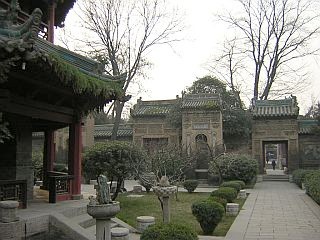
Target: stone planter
[164,193]
[103,213]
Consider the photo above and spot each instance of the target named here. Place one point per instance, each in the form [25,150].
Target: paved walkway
[277,210]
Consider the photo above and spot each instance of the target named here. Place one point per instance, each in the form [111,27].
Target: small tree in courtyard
[115,159]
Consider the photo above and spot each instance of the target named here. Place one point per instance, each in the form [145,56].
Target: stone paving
[277,210]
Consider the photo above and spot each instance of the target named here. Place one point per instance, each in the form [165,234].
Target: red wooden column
[75,148]
[48,156]
[51,22]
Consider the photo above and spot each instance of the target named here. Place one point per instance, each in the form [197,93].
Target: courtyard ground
[273,210]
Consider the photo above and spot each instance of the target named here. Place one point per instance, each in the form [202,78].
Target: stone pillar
[166,209]
[74,165]
[48,156]
[24,168]
[103,229]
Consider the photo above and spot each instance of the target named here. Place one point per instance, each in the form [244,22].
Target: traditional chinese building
[275,122]
[44,87]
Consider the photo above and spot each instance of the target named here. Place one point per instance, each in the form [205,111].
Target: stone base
[77,197]
[232,209]
[39,183]
[119,233]
[143,222]
[242,194]
[93,182]
[137,189]
[8,211]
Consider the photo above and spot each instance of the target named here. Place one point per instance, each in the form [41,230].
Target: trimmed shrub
[231,184]
[190,185]
[220,200]
[236,166]
[168,231]
[208,214]
[312,181]
[242,183]
[227,193]
[299,176]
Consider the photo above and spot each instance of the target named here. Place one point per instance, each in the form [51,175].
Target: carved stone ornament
[16,40]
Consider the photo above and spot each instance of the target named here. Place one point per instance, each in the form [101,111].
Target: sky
[175,68]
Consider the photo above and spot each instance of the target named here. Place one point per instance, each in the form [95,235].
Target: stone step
[84,220]
[276,178]
[202,182]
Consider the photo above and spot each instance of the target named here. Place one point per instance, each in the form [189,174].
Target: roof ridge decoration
[282,108]
[16,40]
[23,35]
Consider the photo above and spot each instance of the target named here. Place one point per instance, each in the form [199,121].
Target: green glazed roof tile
[276,108]
[105,131]
[306,125]
[153,108]
[201,101]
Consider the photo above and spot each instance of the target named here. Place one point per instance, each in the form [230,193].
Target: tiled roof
[153,108]
[305,125]
[284,108]
[105,130]
[201,101]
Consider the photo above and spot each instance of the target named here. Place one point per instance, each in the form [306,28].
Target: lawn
[132,207]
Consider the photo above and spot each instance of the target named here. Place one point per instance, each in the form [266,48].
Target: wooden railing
[59,186]
[14,190]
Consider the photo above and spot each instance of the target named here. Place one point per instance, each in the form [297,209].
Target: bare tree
[274,34]
[228,67]
[123,31]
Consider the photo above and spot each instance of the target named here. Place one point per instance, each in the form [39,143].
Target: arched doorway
[202,156]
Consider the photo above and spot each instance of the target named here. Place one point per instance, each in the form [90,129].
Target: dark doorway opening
[275,157]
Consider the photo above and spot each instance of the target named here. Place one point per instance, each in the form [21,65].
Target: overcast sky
[175,69]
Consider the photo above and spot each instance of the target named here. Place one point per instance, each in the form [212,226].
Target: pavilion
[44,87]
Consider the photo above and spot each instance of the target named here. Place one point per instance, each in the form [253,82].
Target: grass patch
[132,207]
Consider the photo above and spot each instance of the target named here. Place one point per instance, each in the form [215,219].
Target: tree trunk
[118,109]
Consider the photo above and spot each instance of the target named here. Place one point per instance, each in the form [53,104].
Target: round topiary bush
[236,166]
[169,231]
[208,213]
[190,185]
[220,200]
[227,193]
[231,184]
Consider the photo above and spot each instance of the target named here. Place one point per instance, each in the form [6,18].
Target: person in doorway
[273,163]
